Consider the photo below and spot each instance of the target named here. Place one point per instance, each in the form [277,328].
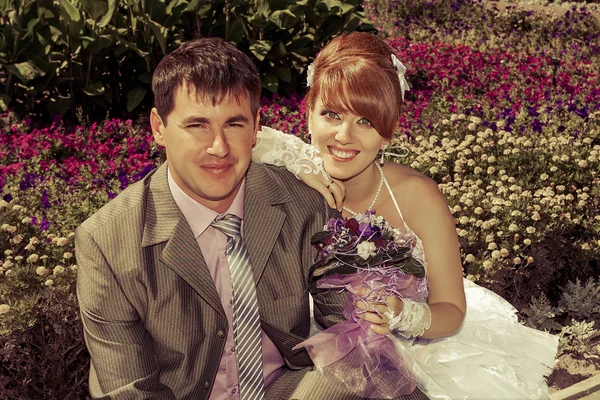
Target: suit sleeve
[123,364]
[328,304]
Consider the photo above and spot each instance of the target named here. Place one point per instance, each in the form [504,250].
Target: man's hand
[375,310]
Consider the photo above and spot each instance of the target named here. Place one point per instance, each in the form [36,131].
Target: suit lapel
[164,223]
[262,219]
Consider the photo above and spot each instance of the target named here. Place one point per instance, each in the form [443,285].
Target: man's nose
[219,146]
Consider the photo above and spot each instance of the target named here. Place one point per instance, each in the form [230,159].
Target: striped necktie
[246,315]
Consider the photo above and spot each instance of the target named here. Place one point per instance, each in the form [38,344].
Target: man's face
[208,147]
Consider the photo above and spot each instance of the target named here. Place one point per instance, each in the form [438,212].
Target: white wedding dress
[492,357]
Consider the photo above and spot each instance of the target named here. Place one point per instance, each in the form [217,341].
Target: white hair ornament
[400,70]
[309,74]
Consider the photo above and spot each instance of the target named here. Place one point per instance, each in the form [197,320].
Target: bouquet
[358,252]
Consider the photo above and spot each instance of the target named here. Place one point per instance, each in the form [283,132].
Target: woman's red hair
[354,73]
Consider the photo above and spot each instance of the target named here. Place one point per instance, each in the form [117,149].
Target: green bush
[98,55]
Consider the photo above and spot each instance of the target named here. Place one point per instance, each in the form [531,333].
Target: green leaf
[72,17]
[192,6]
[145,78]
[95,8]
[260,48]
[299,43]
[161,35]
[44,12]
[4,102]
[95,89]
[86,41]
[112,6]
[135,97]
[284,73]
[70,12]
[59,105]
[269,82]
[104,42]
[283,18]
[176,6]
[25,71]
[31,25]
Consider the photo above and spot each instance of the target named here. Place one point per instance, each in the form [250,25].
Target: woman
[353,107]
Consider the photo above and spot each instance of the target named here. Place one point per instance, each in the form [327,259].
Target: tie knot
[228,224]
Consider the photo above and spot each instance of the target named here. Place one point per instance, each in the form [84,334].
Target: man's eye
[236,125]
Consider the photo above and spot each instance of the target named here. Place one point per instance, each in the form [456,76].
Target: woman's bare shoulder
[417,194]
[408,181]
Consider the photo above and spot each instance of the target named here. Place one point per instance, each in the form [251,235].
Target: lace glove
[414,319]
[283,150]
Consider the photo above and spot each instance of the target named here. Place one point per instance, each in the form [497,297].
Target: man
[154,283]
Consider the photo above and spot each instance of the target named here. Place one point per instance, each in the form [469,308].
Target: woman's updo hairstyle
[354,73]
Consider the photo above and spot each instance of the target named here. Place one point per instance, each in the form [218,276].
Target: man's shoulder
[279,177]
[129,203]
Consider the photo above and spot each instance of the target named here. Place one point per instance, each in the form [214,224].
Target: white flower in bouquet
[366,249]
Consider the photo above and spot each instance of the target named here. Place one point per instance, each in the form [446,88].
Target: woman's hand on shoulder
[332,190]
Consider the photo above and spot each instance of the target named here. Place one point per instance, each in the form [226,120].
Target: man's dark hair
[211,68]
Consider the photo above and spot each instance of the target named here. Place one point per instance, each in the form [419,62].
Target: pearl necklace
[376,193]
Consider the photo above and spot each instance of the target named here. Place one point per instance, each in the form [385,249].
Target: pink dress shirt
[212,244]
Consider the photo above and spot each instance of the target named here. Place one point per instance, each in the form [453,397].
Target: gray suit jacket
[152,318]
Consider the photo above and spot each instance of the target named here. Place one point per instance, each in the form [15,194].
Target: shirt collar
[199,216]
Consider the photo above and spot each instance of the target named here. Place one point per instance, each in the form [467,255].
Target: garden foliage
[99,54]
[510,134]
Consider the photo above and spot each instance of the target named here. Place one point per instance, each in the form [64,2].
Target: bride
[465,341]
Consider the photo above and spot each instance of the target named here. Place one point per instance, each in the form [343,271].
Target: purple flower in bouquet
[360,243]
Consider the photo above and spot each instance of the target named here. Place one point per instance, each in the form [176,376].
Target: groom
[154,283]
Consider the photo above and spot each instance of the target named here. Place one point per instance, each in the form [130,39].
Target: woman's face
[348,143]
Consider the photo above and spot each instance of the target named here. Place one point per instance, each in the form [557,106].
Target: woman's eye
[364,121]
[329,114]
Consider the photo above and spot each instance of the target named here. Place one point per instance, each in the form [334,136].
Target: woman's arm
[428,215]
[426,212]
[303,160]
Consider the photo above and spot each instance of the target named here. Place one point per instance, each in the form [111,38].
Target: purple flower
[45,202]
[536,125]
[533,112]
[143,172]
[28,181]
[123,179]
[44,225]
[582,112]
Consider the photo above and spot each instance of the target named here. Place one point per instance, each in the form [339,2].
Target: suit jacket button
[206,385]
[220,333]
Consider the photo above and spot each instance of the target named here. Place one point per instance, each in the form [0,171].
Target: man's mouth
[216,168]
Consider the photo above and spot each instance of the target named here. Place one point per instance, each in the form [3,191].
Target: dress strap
[387,185]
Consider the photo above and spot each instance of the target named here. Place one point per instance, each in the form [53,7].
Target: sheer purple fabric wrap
[350,354]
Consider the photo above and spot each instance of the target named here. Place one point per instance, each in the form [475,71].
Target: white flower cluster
[507,189]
